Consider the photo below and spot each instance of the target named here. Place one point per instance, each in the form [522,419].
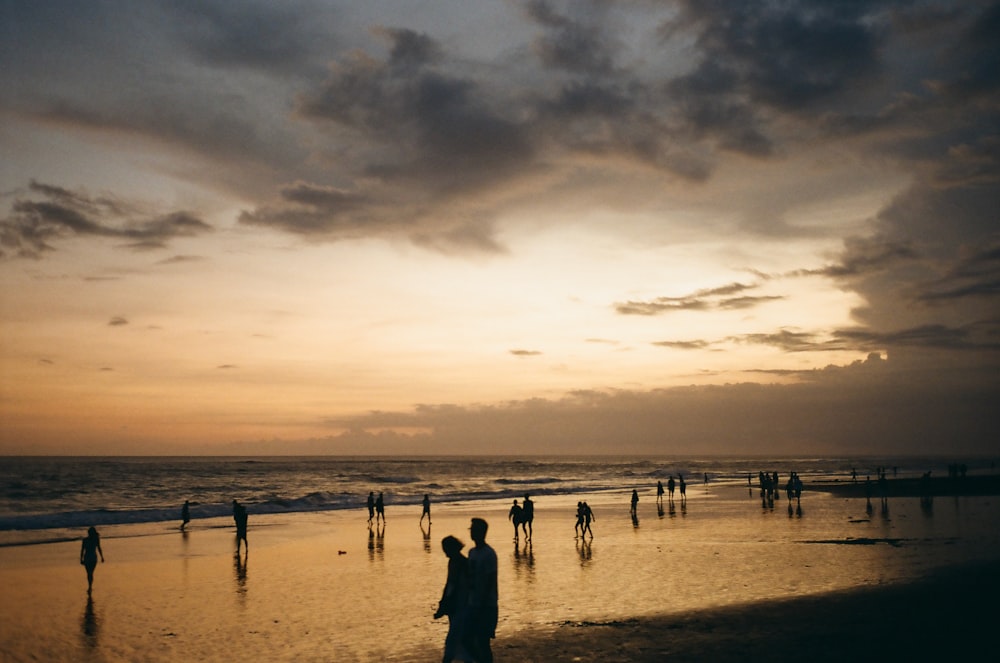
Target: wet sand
[716,579]
[950,614]
[916,487]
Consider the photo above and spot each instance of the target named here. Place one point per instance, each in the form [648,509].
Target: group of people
[671,487]
[469,599]
[584,515]
[523,516]
[376,507]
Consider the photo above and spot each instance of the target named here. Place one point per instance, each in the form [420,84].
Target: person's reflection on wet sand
[524,559]
[583,549]
[240,574]
[427,536]
[376,541]
[90,625]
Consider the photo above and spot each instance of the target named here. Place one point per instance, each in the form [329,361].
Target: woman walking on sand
[89,550]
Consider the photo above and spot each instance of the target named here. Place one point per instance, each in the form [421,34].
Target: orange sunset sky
[485,226]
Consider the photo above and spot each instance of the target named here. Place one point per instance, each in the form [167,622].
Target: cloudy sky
[483,226]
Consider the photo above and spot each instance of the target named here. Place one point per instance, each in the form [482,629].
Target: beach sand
[718,579]
[949,615]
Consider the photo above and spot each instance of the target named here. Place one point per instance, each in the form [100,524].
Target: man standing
[426,511]
[240,517]
[483,611]
[528,516]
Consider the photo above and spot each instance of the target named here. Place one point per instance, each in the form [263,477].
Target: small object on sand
[341,552]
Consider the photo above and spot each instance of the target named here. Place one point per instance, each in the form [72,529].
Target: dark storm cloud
[683,345]
[181,260]
[283,37]
[208,78]
[789,341]
[786,55]
[849,409]
[434,127]
[863,256]
[701,300]
[46,213]
[979,336]
[568,43]
[419,138]
[307,208]
[977,276]
[661,305]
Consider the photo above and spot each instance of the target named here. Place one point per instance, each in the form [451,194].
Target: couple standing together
[470,598]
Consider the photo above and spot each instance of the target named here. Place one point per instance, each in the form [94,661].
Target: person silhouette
[670,487]
[455,600]
[588,515]
[427,510]
[240,517]
[185,514]
[380,508]
[635,502]
[578,528]
[683,488]
[528,509]
[516,516]
[659,491]
[371,507]
[90,548]
[483,601]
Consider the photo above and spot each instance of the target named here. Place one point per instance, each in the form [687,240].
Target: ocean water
[52,498]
